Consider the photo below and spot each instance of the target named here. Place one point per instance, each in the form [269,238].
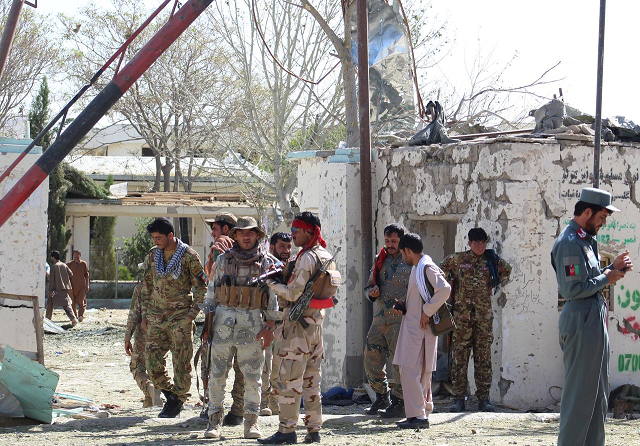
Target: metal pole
[117,250]
[596,142]
[9,32]
[366,214]
[99,106]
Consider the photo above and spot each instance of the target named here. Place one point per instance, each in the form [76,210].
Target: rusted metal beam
[99,106]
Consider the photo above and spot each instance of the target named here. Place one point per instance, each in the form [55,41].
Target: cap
[247,223]
[598,196]
[223,217]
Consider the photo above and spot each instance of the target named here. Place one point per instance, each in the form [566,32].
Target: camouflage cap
[247,223]
[223,217]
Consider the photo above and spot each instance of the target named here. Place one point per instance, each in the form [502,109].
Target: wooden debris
[184,198]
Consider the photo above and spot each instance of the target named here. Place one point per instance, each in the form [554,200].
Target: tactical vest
[234,291]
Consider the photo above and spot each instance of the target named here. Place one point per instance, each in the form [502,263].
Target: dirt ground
[91,362]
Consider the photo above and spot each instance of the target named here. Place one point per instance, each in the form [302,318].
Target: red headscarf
[317,236]
[378,266]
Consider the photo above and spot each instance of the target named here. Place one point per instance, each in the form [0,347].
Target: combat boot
[172,407]
[395,410]
[166,394]
[214,427]
[264,409]
[312,437]
[457,406]
[251,429]
[280,438]
[486,406]
[382,402]
[232,419]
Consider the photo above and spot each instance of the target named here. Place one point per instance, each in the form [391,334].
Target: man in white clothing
[417,347]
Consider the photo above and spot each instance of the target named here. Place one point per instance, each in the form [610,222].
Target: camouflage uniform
[235,328]
[137,365]
[237,392]
[393,279]
[170,308]
[473,285]
[301,350]
[270,375]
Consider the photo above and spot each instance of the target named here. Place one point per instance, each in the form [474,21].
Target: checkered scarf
[175,264]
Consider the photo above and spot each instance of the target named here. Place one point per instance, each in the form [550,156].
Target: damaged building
[522,192]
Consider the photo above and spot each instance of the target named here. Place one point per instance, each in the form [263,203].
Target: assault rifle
[271,274]
[295,313]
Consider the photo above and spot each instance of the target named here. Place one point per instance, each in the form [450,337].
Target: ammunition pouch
[233,291]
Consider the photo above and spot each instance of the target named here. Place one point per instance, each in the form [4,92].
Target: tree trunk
[166,171]
[156,181]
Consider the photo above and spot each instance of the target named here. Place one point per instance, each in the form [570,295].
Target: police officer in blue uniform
[583,332]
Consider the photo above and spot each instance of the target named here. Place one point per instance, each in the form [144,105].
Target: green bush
[123,273]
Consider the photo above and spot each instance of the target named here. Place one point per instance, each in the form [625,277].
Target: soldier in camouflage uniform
[387,283]
[301,349]
[169,308]
[280,248]
[221,226]
[474,274]
[239,307]
[137,365]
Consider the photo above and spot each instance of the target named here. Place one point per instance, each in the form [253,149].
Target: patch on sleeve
[572,268]
[203,277]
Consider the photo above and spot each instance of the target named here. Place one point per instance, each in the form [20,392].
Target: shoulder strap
[428,282]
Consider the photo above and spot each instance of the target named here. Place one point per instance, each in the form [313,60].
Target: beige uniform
[300,350]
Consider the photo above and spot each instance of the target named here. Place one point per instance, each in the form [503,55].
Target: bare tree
[190,85]
[278,56]
[487,100]
[32,55]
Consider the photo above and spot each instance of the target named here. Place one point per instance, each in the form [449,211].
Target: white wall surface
[22,259]
[522,192]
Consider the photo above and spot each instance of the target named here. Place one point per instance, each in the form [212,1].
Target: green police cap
[599,197]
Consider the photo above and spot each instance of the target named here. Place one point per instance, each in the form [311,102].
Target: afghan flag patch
[572,270]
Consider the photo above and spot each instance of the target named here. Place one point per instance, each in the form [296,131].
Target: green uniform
[137,366]
[583,338]
[170,308]
[393,279]
[471,278]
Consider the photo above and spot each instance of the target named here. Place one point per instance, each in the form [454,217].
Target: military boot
[214,426]
[382,402]
[232,419]
[457,406]
[265,411]
[251,429]
[172,407]
[312,437]
[486,406]
[280,438]
[395,410]
[166,394]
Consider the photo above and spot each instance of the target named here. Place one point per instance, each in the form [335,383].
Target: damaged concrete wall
[22,260]
[522,193]
[331,193]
